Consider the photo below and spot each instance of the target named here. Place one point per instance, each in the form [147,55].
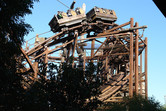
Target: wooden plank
[140,74]
[146,68]
[110,30]
[136,59]
[74,46]
[50,51]
[75,42]
[44,42]
[35,64]
[27,59]
[124,45]
[92,49]
[131,61]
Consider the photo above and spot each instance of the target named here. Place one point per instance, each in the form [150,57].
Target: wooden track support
[131,61]
[146,68]
[136,60]
[117,56]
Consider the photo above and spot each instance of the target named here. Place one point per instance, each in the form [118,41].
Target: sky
[145,12]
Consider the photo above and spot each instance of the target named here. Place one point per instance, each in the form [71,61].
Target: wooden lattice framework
[120,51]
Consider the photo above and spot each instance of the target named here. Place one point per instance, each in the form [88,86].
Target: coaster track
[119,47]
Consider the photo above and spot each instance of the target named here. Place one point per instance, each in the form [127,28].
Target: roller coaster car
[102,14]
[69,19]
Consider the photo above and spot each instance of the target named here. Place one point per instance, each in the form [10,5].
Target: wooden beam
[101,45]
[84,60]
[35,64]
[119,26]
[140,74]
[136,59]
[51,51]
[33,51]
[46,63]
[146,68]
[105,36]
[27,59]
[75,42]
[92,48]
[68,53]
[106,63]
[124,45]
[131,61]
[98,41]
[44,42]
[74,46]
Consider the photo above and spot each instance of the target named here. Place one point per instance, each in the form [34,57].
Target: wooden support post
[106,63]
[133,71]
[84,60]
[46,63]
[146,68]
[131,61]
[74,46]
[140,74]
[133,65]
[26,46]
[106,68]
[27,59]
[92,49]
[46,57]
[35,64]
[68,52]
[75,42]
[136,60]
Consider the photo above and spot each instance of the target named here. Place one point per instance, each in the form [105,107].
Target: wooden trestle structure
[120,51]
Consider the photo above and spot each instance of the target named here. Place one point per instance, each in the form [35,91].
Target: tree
[164,107]
[12,32]
[139,103]
[66,89]
[36,98]
[136,103]
[72,89]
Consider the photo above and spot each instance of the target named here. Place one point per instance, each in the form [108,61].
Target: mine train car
[73,18]
[102,14]
[69,19]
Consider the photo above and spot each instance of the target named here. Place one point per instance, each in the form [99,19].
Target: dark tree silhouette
[66,89]
[75,89]
[136,103]
[12,31]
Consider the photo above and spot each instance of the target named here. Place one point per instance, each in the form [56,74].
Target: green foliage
[12,30]
[71,89]
[163,107]
[36,98]
[67,89]
[137,103]
[12,23]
